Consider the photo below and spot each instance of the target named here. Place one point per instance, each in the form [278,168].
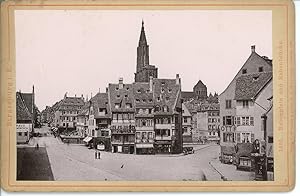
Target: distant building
[199,93]
[231,102]
[208,122]
[67,111]
[45,114]
[186,124]
[143,69]
[24,120]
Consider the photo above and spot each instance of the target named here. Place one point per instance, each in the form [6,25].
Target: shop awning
[144,145]
[87,139]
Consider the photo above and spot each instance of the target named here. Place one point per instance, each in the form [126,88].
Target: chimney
[82,97]
[151,84]
[121,83]
[75,95]
[99,90]
[106,89]
[253,48]
[177,79]
[66,94]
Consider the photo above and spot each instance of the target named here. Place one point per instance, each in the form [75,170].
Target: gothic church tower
[143,69]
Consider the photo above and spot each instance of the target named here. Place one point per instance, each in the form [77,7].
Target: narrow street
[75,161]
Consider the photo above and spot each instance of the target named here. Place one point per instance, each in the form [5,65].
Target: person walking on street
[37,145]
[95,154]
[99,155]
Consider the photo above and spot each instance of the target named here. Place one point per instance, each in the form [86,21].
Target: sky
[81,51]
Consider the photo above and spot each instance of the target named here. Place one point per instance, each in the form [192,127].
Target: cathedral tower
[143,69]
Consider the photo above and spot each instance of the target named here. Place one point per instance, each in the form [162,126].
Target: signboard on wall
[24,127]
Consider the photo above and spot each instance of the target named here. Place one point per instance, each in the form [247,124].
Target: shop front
[163,147]
[144,149]
[227,154]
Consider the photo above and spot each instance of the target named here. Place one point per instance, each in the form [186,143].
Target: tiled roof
[166,95]
[193,105]
[23,113]
[71,103]
[143,98]
[209,106]
[84,111]
[247,86]
[187,94]
[100,100]
[28,98]
[254,60]
[200,83]
[122,96]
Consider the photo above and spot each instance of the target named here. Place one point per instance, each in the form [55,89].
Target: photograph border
[283,28]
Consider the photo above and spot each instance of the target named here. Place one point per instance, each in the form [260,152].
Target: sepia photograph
[144,95]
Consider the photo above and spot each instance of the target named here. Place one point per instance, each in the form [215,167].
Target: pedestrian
[99,154]
[95,154]
[37,146]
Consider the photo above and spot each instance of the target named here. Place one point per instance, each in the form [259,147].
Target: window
[115,116]
[128,105]
[185,119]
[228,120]
[228,104]
[137,100]
[244,71]
[20,133]
[125,96]
[251,121]
[238,137]
[144,100]
[117,105]
[150,135]
[270,139]
[228,137]
[260,69]
[118,96]
[150,100]
[170,90]
[158,98]
[162,90]
[139,91]
[25,134]
[245,104]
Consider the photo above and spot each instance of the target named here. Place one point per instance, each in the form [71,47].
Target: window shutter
[238,137]
[252,121]
[223,120]
[252,137]
[224,137]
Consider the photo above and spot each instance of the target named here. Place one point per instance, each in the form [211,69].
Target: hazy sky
[81,51]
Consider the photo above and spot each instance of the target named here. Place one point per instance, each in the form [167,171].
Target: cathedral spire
[143,40]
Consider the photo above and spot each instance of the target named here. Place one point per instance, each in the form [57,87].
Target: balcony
[164,126]
[144,128]
[158,137]
[122,129]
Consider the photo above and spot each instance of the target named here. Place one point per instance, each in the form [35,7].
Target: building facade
[120,97]
[67,111]
[228,103]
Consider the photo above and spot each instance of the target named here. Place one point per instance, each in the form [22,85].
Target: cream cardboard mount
[18,109]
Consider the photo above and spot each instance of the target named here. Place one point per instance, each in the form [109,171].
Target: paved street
[77,162]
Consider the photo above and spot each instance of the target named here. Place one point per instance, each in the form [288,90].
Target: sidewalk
[230,173]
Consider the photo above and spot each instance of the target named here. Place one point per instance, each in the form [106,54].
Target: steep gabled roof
[200,83]
[121,96]
[28,100]
[253,60]
[22,111]
[166,94]
[71,103]
[100,100]
[248,85]
[143,98]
